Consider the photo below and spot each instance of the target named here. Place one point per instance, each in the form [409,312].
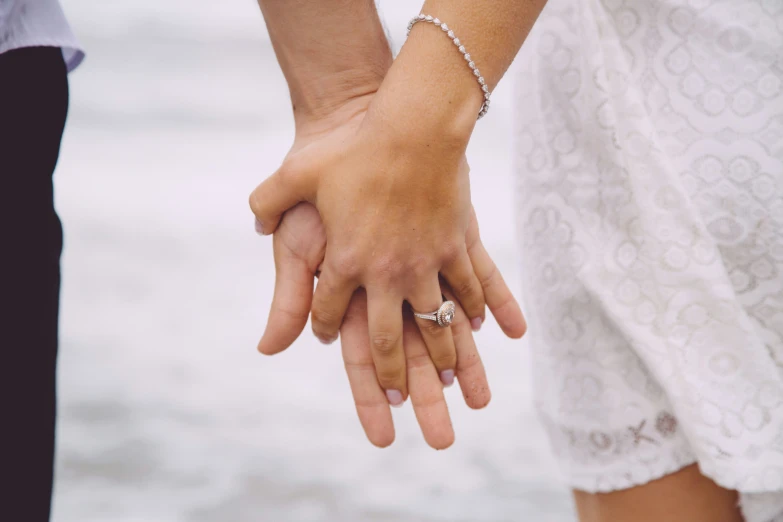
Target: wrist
[320,91]
[330,52]
[411,124]
[430,91]
[346,113]
[426,115]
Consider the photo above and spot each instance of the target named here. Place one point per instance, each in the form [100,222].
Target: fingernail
[447,377]
[394,397]
[326,341]
[259,228]
[475,323]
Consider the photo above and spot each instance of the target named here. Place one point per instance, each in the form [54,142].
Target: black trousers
[33,108]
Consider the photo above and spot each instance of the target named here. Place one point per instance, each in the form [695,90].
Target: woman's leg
[33,107]
[684,496]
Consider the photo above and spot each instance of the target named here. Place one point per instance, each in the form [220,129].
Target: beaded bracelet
[465,54]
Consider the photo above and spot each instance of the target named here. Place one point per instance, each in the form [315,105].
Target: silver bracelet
[465,54]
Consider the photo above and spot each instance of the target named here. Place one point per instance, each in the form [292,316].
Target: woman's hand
[396,209]
[299,246]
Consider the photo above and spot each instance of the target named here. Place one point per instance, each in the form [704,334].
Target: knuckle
[419,266]
[418,361]
[291,172]
[322,317]
[450,250]
[387,269]
[445,359]
[346,264]
[468,362]
[466,289]
[384,343]
[388,377]
[488,279]
[290,313]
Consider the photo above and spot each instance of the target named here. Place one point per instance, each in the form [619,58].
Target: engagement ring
[444,315]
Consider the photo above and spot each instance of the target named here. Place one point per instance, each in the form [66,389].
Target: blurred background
[167,412]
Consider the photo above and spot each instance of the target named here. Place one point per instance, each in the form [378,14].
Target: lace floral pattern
[650,156]
[649,449]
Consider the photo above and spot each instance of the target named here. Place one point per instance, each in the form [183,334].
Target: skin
[393,191]
[384,164]
[299,247]
[336,139]
[684,496]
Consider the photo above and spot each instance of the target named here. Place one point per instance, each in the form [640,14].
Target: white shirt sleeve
[38,23]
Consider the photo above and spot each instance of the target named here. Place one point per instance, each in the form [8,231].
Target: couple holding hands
[374,198]
[650,186]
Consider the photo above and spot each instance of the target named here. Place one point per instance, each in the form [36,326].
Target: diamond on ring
[444,315]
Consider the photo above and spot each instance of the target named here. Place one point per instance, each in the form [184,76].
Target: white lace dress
[649,151]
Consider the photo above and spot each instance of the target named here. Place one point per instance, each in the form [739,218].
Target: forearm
[329,50]
[432,77]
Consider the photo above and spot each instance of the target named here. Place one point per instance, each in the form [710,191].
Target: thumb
[282,190]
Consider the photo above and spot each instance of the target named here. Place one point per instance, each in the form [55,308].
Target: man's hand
[299,245]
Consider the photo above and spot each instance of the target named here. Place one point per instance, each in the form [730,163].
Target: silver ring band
[444,315]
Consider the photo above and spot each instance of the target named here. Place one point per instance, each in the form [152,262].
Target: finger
[425,388]
[370,399]
[384,313]
[499,298]
[282,190]
[467,288]
[440,344]
[331,298]
[290,303]
[471,375]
